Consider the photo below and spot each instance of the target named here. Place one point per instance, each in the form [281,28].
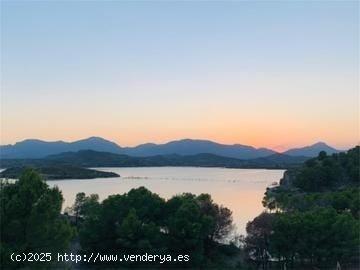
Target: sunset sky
[271,74]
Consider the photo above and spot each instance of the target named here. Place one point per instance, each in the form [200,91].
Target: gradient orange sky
[275,75]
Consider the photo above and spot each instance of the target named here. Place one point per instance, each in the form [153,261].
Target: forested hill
[313,220]
[325,172]
[90,158]
[328,180]
[58,172]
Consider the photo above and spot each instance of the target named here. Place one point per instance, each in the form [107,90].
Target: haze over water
[240,190]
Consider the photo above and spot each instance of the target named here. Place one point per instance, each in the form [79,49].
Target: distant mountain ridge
[33,148]
[193,147]
[91,159]
[312,150]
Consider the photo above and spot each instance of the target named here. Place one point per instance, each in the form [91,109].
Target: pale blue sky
[153,71]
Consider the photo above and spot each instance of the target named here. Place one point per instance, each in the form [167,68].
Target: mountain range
[37,149]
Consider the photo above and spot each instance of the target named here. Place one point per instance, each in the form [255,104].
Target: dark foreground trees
[141,222]
[137,222]
[318,237]
[31,220]
[316,223]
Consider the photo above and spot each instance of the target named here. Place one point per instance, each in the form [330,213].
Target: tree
[322,155]
[141,221]
[257,240]
[320,236]
[188,230]
[318,219]
[31,219]
[222,222]
[106,226]
[329,172]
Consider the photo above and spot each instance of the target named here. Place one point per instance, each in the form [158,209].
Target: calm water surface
[241,190]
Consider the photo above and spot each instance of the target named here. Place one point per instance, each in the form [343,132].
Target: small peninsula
[59,172]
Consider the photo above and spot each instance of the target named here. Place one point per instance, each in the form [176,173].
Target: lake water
[240,190]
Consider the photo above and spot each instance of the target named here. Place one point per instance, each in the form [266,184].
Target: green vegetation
[59,172]
[319,237]
[140,221]
[328,172]
[31,220]
[345,200]
[316,219]
[134,223]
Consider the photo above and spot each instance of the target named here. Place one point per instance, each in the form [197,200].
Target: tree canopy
[316,219]
[31,219]
[141,221]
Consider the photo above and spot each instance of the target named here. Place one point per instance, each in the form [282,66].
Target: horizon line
[273,148]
